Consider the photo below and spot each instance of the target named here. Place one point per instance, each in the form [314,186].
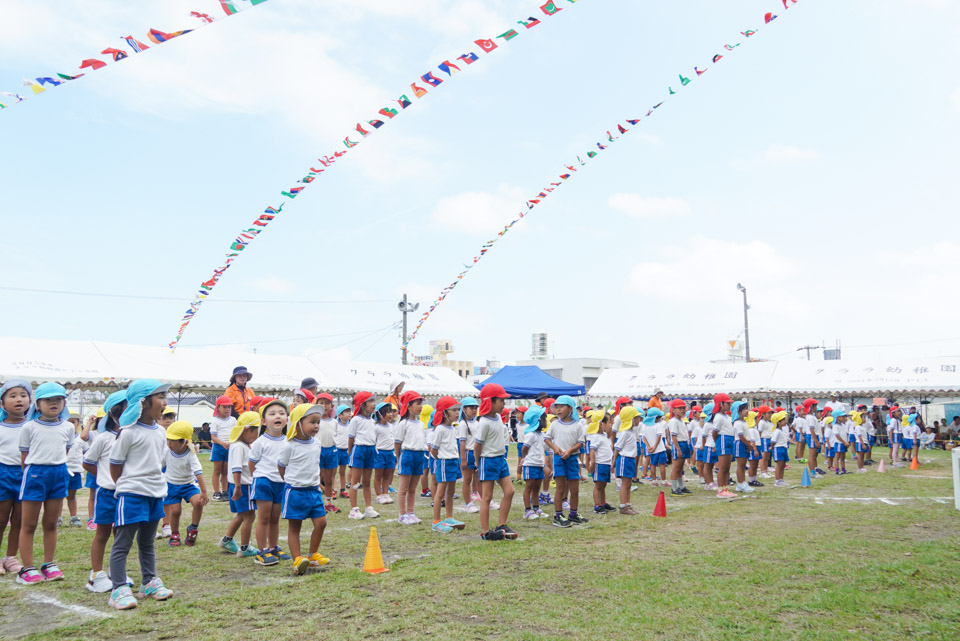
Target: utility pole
[808,348]
[746,324]
[406,308]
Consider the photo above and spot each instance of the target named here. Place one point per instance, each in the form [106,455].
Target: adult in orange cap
[489,448]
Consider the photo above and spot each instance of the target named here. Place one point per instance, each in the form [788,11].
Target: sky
[816,165]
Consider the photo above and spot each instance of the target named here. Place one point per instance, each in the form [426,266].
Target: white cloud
[788,154]
[646,207]
[954,99]
[272,285]
[480,212]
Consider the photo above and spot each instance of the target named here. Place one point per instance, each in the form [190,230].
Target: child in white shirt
[267,486]
[184,482]
[242,504]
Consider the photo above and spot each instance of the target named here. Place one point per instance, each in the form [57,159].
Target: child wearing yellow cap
[299,466]
[780,441]
[166,420]
[600,458]
[184,482]
[625,463]
[242,505]
[267,488]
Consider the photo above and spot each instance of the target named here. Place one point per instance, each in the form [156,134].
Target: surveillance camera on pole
[406,308]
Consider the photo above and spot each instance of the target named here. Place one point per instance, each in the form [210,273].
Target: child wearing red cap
[447,453]
[678,441]
[329,458]
[765,427]
[220,428]
[362,443]
[410,447]
[493,468]
[812,434]
[724,435]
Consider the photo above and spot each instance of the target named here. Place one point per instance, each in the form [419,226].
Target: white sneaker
[387,500]
[355,514]
[747,489]
[566,505]
[164,532]
[530,515]
[405,519]
[494,505]
[380,499]
[474,497]
[413,519]
[99,582]
[471,508]
[370,513]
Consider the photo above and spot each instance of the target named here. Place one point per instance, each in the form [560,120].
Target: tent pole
[179,397]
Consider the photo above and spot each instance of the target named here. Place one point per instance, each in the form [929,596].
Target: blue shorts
[244,503]
[897,437]
[840,448]
[177,493]
[725,446]
[698,455]
[908,443]
[448,470]
[751,456]
[519,450]
[660,458]
[681,449]
[302,503]
[329,458]
[413,462]
[386,460]
[431,463]
[740,450]
[343,456]
[872,439]
[566,468]
[534,472]
[11,476]
[135,508]
[765,445]
[42,482]
[363,457]
[218,453]
[810,443]
[74,481]
[626,467]
[493,468]
[861,447]
[642,449]
[780,454]
[104,507]
[601,473]
[710,455]
[471,461]
[90,481]
[263,489]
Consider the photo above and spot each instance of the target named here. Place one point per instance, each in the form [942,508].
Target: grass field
[865,556]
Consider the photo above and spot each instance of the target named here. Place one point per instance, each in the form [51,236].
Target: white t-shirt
[871,427]
[697,435]
[566,435]
[779,438]
[841,431]
[678,429]
[10,443]
[812,426]
[709,440]
[99,455]
[385,438]
[766,428]
[723,424]
[46,443]
[466,431]
[753,435]
[362,430]
[75,458]
[490,436]
[603,447]
[340,436]
[627,443]
[139,448]
[535,453]
[327,434]
[301,463]
[222,426]
[264,453]
[237,461]
[739,428]
[445,442]
[182,469]
[411,435]
[653,437]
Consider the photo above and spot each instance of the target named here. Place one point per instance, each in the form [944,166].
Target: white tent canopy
[928,377]
[91,364]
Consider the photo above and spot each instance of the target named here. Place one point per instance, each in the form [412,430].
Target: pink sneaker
[29,576]
[726,494]
[91,526]
[10,564]
[51,572]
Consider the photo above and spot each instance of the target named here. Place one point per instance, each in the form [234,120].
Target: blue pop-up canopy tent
[527,381]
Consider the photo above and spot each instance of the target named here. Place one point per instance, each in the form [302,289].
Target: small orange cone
[373,559]
[914,464]
[661,509]
[881,469]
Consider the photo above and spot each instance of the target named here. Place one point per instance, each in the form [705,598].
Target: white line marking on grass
[37,597]
[888,502]
[924,476]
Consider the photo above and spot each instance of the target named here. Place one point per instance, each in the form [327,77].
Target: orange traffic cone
[661,509]
[373,559]
[881,468]
[914,464]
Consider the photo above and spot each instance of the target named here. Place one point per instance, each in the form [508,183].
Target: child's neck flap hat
[112,401]
[425,413]
[777,417]
[444,403]
[627,414]
[14,383]
[467,401]
[572,404]
[359,399]
[623,400]
[298,414]
[222,400]
[341,409]
[246,420]
[491,391]
[268,402]
[405,399]
[137,393]
[752,418]
[653,413]
[49,390]
[532,418]
[595,416]
[735,408]
[180,430]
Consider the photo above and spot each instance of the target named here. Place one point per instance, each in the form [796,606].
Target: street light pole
[746,322]
[406,308]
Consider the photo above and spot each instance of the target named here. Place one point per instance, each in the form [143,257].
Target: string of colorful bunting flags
[363,129]
[570,170]
[156,36]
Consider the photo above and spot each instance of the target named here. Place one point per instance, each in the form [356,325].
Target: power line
[380,338]
[181,300]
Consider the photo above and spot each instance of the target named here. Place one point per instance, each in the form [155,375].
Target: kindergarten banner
[612,135]
[365,127]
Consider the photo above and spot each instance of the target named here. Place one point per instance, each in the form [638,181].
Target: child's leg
[741,470]
[547,472]
[248,517]
[51,512]
[780,467]
[147,532]
[723,470]
[196,511]
[365,474]
[99,546]
[356,474]
[527,489]
[319,525]
[625,484]
[343,476]
[234,525]
[172,516]
[707,472]
[600,493]
[218,472]
[451,490]
[573,488]
[378,482]
[273,529]
[765,464]
[441,490]
[535,486]
[91,506]
[486,493]
[842,460]
[388,479]
[561,482]
[327,476]
[264,512]
[663,472]
[752,471]
[123,537]
[467,484]
[293,537]
[507,486]
[402,493]
[72,502]
[425,481]
[812,459]
[10,511]
[859,460]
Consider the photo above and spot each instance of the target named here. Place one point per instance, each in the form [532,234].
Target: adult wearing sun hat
[239,392]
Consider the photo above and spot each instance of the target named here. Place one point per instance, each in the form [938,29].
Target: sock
[680,483]
[193,526]
[227,539]
[623,505]
[753,479]
[559,512]
[573,513]
[675,485]
[243,548]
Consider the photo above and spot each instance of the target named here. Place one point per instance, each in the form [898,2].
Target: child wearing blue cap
[136,466]
[15,402]
[267,487]
[45,440]
[467,429]
[565,436]
[532,461]
[656,447]
[343,413]
[96,461]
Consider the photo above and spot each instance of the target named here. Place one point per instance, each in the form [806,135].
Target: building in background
[440,351]
[580,371]
[540,346]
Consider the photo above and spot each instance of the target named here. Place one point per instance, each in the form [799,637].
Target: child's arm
[85,430]
[252,465]
[523,454]
[91,469]
[23,459]
[236,486]
[204,499]
[213,437]
[592,460]
[116,469]
[350,444]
